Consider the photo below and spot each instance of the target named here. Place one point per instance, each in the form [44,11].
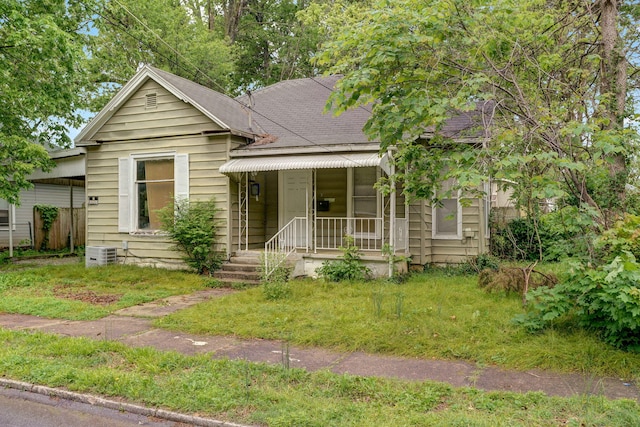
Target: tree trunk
[614,91]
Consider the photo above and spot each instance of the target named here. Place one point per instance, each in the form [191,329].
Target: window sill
[150,233]
[451,237]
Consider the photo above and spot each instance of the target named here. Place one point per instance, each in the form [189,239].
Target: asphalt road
[24,409]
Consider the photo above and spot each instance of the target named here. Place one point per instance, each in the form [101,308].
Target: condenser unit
[100,255]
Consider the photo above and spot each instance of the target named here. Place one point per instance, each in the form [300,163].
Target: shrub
[348,267]
[623,237]
[192,226]
[275,286]
[565,233]
[481,262]
[604,299]
[513,279]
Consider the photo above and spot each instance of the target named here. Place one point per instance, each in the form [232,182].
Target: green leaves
[192,226]
[549,126]
[41,84]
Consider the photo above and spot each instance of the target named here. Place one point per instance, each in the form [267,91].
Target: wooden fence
[61,229]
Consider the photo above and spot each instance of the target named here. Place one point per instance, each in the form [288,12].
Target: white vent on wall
[151,100]
[100,255]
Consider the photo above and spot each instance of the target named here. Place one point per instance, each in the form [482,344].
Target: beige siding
[171,117]
[420,232]
[206,153]
[458,250]
[424,249]
[332,184]
[271,208]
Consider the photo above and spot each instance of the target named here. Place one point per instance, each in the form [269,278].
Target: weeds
[435,312]
[349,267]
[259,394]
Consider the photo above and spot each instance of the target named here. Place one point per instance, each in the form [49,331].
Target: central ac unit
[100,255]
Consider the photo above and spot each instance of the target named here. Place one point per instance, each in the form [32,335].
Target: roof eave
[84,138]
[335,148]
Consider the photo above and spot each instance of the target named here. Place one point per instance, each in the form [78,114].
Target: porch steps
[242,267]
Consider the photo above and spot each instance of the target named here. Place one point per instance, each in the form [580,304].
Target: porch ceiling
[318,161]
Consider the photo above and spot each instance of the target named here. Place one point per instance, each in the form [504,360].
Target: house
[286,177]
[62,187]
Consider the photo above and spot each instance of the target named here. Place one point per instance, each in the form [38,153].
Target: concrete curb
[118,406]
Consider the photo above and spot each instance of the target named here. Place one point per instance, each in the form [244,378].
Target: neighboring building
[63,187]
[283,174]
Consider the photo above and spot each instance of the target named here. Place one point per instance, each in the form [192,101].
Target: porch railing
[292,236]
[367,233]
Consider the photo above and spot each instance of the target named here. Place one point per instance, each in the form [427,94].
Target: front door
[295,196]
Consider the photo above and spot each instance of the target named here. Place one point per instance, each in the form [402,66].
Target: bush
[192,226]
[347,268]
[606,300]
[513,279]
[623,237]
[565,233]
[275,286]
[481,262]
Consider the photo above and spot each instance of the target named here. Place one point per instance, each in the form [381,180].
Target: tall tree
[42,77]
[271,42]
[551,76]
[162,33]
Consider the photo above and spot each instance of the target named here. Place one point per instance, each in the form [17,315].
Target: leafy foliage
[48,214]
[533,75]
[229,46]
[192,226]
[41,81]
[604,299]
[623,237]
[162,33]
[347,268]
[275,286]
[565,233]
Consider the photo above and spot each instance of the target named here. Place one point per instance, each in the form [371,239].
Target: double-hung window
[4,214]
[148,183]
[447,217]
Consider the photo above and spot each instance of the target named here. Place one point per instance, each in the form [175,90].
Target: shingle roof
[292,111]
[289,115]
[226,109]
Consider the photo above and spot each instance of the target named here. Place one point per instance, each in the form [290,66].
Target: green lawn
[74,292]
[272,395]
[431,315]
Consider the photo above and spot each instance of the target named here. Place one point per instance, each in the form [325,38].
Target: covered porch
[303,206]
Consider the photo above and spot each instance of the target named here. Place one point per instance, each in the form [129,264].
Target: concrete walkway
[132,326]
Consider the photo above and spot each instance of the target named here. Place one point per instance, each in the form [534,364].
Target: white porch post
[392,214]
[72,236]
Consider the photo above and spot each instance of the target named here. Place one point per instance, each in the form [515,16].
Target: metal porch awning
[316,161]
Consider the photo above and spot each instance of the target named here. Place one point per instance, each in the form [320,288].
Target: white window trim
[12,218]
[434,223]
[128,196]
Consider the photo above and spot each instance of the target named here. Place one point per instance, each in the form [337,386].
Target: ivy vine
[48,214]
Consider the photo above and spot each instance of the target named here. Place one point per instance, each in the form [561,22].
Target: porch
[305,212]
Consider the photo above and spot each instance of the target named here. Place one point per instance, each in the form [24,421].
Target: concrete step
[245,259]
[243,275]
[232,266]
[240,269]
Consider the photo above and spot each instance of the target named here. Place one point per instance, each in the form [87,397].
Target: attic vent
[151,100]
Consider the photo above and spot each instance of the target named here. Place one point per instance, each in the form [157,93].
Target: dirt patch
[85,296]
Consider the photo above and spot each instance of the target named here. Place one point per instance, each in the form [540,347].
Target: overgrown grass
[431,315]
[74,292]
[271,395]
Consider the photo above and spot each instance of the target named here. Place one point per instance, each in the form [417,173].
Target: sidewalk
[132,326]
